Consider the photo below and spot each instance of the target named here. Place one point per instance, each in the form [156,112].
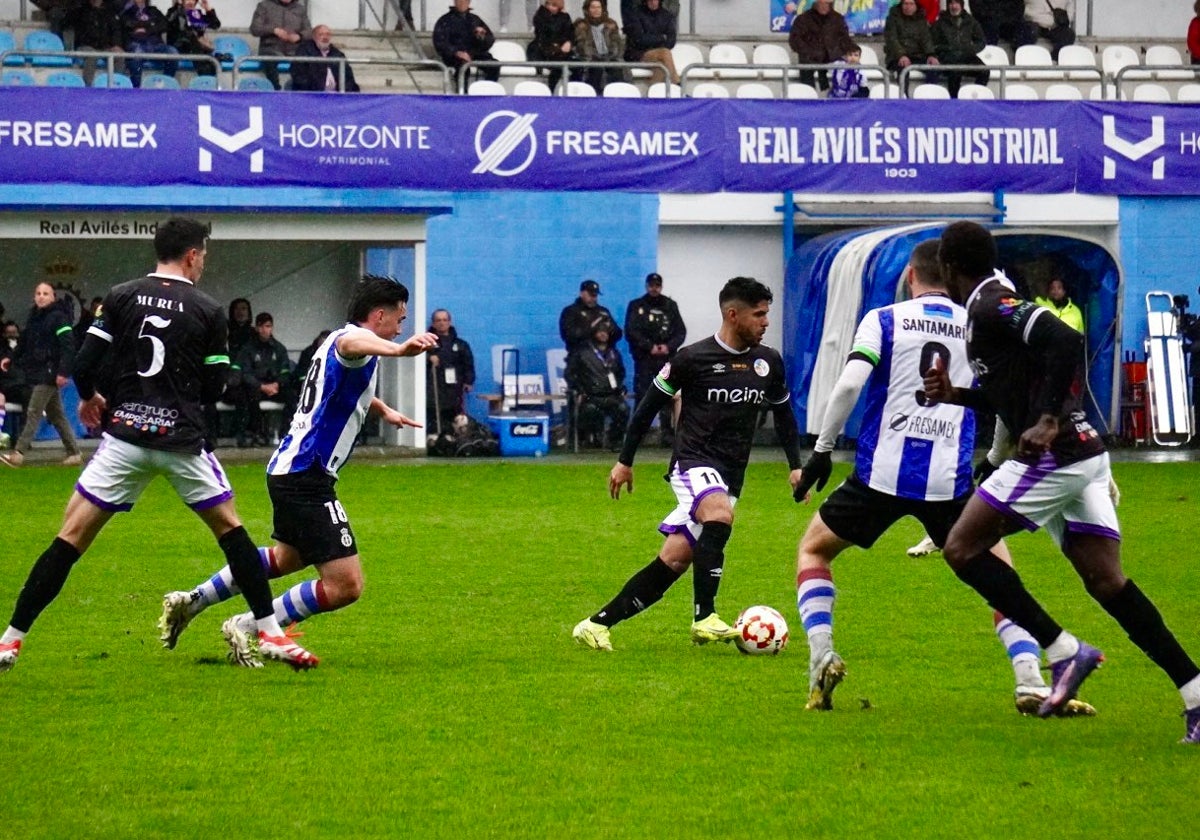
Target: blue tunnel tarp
[834,278]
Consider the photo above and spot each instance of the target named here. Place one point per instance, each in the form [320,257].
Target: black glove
[816,470]
[983,469]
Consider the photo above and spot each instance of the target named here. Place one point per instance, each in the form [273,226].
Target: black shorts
[860,515]
[309,517]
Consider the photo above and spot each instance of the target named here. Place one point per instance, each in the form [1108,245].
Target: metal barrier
[567,67]
[1153,73]
[110,59]
[1046,73]
[408,64]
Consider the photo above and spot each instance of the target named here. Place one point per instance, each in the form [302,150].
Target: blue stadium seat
[119,80]
[64,78]
[203,83]
[255,83]
[17,78]
[8,43]
[44,40]
[234,46]
[157,81]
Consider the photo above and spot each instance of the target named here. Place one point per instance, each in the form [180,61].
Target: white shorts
[1070,499]
[118,472]
[690,487]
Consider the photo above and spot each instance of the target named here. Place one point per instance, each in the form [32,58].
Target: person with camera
[655,332]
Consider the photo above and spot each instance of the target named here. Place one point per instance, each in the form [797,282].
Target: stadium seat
[255,83]
[994,56]
[1063,92]
[1150,92]
[870,58]
[686,55]
[235,47]
[622,90]
[117,80]
[513,54]
[1097,93]
[929,91]
[725,53]
[580,90]
[869,65]
[1034,55]
[1117,57]
[770,54]
[753,90]
[884,91]
[17,78]
[660,90]
[7,44]
[1018,91]
[799,90]
[709,90]
[485,87]
[531,87]
[1188,93]
[1165,55]
[64,78]
[43,40]
[975,92]
[203,83]
[1077,55]
[157,81]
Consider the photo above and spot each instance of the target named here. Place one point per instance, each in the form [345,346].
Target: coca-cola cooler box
[522,432]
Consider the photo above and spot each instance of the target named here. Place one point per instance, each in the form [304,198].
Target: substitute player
[311,526]
[166,342]
[913,459]
[1027,363]
[723,382]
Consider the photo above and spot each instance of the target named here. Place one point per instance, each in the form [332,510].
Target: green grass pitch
[451,702]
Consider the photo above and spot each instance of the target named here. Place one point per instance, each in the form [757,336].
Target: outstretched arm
[390,415]
[363,342]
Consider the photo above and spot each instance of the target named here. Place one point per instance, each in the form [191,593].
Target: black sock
[247,570]
[1138,617]
[708,562]
[45,581]
[1001,587]
[642,590]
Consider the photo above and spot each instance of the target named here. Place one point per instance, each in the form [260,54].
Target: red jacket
[1194,39]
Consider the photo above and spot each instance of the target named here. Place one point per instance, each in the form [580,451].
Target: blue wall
[1159,254]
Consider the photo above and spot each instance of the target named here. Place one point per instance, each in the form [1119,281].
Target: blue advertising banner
[890,146]
[455,143]
[862,16]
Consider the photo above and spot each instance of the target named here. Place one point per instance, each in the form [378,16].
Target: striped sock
[815,594]
[1023,651]
[301,601]
[221,586]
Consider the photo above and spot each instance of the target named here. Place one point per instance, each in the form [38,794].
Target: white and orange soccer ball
[761,630]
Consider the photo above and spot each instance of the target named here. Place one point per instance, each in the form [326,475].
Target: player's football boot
[284,649]
[924,548]
[823,678]
[712,629]
[1067,675]
[1028,699]
[591,634]
[12,459]
[176,616]
[1192,721]
[9,651]
[242,647]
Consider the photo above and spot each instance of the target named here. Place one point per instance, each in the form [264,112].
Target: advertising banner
[863,17]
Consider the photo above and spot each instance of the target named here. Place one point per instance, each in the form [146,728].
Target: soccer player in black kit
[1027,362]
[723,382]
[162,345]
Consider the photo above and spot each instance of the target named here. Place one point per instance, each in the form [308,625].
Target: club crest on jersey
[761,367]
[1009,304]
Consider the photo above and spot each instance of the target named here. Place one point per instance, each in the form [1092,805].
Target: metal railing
[567,67]
[110,59]
[1154,73]
[240,69]
[785,74]
[1022,73]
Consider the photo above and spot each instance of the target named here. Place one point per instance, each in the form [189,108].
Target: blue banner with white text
[449,143]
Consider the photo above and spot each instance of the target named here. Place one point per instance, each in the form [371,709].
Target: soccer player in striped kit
[1028,366]
[913,459]
[311,526]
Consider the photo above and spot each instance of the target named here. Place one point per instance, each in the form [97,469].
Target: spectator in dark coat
[316,75]
[553,37]
[819,36]
[145,32]
[906,37]
[460,36]
[650,35]
[957,39]
[97,28]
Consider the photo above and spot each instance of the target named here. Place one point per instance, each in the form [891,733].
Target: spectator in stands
[596,375]
[57,12]
[317,75]
[957,39]
[553,38]
[846,80]
[1193,34]
[650,34]
[97,28]
[819,36]
[460,36]
[655,332]
[280,26]
[907,39]
[145,31]
[189,23]
[531,8]
[241,325]
[406,16]
[450,375]
[263,372]
[86,318]
[1003,20]
[12,378]
[575,322]
[45,355]
[931,8]
[1050,19]
[306,355]
[1059,302]
[598,38]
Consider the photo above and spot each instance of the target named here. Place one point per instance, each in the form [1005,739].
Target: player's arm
[1001,451]
[939,389]
[390,415]
[655,401]
[66,351]
[356,343]
[819,466]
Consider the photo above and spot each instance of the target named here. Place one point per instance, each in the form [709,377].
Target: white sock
[1023,651]
[815,594]
[1064,647]
[12,634]
[1190,691]
[270,626]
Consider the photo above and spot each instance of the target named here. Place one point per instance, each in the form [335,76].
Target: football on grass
[761,630]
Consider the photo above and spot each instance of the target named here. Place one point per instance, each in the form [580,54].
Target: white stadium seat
[511,51]
[580,89]
[660,90]
[1063,92]
[485,87]
[730,54]
[799,90]
[1035,55]
[1165,55]
[975,92]
[1188,93]
[1150,92]
[622,90]
[1019,91]
[531,87]
[929,91]
[709,90]
[768,54]
[754,90]
[1077,55]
